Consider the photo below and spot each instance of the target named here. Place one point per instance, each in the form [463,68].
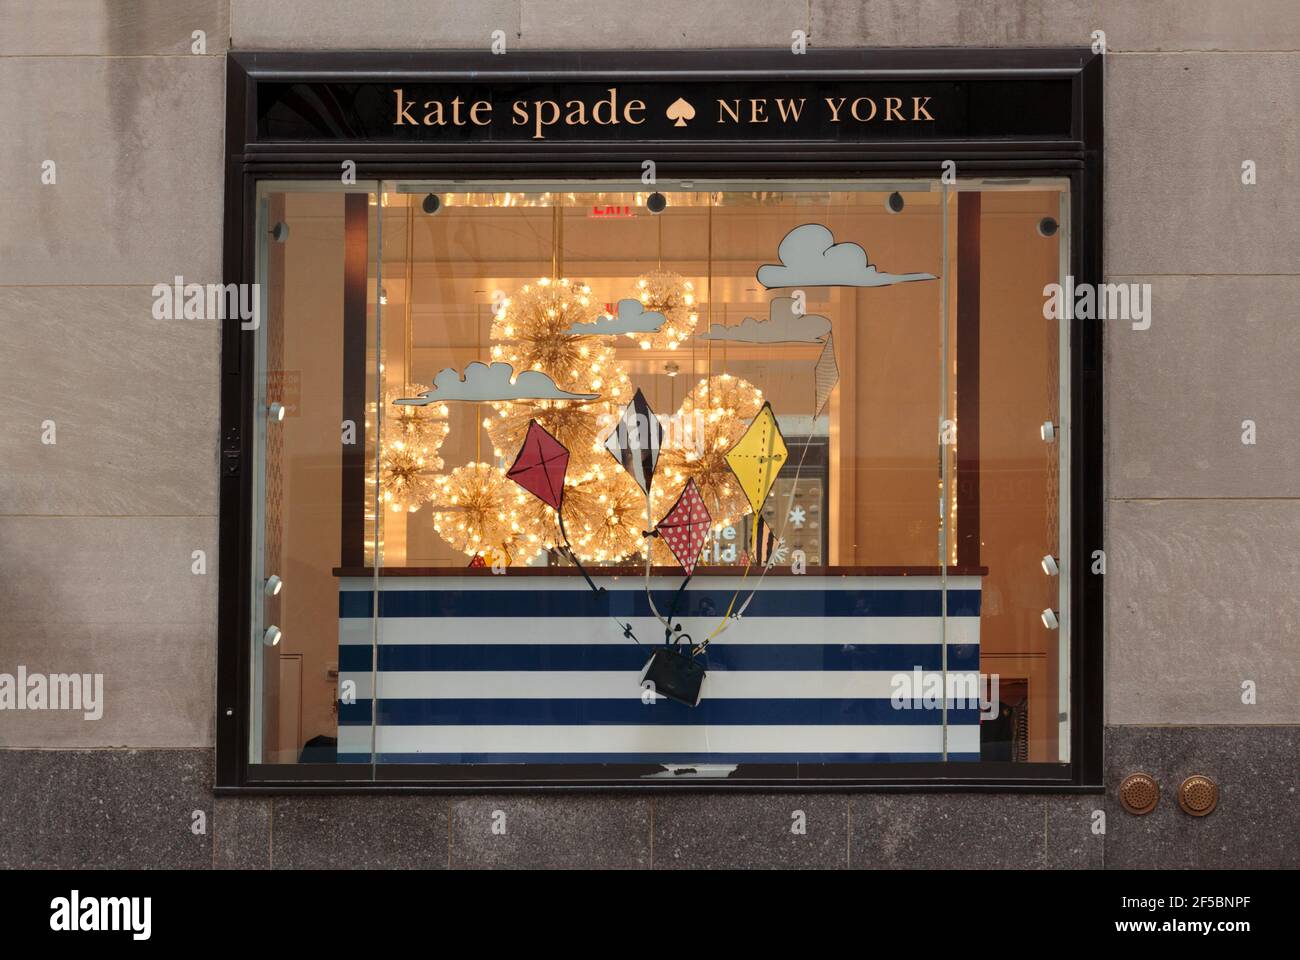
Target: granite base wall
[137,809]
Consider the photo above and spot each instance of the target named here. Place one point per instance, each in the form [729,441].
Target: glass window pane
[314,450]
[794,433]
[1020,462]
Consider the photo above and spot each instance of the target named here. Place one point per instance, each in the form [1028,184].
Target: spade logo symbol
[679,111]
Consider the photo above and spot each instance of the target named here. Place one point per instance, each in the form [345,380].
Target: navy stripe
[765,712]
[673,758]
[633,603]
[898,657]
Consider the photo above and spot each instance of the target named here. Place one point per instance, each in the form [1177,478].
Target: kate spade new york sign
[506,109]
[611,110]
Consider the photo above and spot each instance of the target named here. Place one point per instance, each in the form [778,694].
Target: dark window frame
[1079,159]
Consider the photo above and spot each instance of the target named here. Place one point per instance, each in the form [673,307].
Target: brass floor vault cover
[1138,793]
[1198,795]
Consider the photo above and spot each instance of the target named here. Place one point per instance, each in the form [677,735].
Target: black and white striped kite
[634,442]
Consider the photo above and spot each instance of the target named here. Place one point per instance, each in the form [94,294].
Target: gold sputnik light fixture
[408,456]
[405,478]
[604,514]
[531,332]
[574,425]
[420,426]
[665,292]
[613,515]
[477,510]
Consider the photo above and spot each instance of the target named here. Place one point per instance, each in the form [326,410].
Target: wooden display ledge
[710,571]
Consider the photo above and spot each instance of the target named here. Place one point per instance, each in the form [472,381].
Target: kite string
[771,561]
[648,551]
[794,486]
[568,548]
[728,619]
[789,504]
[559,515]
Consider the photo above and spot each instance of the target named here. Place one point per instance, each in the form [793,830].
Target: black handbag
[675,675]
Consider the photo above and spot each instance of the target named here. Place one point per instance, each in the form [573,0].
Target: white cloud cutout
[782,325]
[483,383]
[632,317]
[810,257]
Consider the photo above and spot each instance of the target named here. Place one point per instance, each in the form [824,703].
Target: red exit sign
[605,211]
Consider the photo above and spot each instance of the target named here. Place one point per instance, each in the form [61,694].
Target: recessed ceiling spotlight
[894,202]
[656,202]
[431,204]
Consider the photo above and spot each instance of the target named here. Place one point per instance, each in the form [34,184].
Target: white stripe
[823,738]
[550,584]
[625,684]
[396,631]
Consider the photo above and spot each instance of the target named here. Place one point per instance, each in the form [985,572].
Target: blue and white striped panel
[531,670]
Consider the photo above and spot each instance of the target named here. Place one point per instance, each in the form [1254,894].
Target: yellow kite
[756,459]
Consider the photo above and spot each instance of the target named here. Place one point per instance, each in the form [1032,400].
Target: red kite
[540,466]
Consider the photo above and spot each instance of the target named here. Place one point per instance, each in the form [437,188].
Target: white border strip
[626,684]
[548,631]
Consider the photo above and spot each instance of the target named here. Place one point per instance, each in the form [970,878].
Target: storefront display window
[635,479]
[796,429]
